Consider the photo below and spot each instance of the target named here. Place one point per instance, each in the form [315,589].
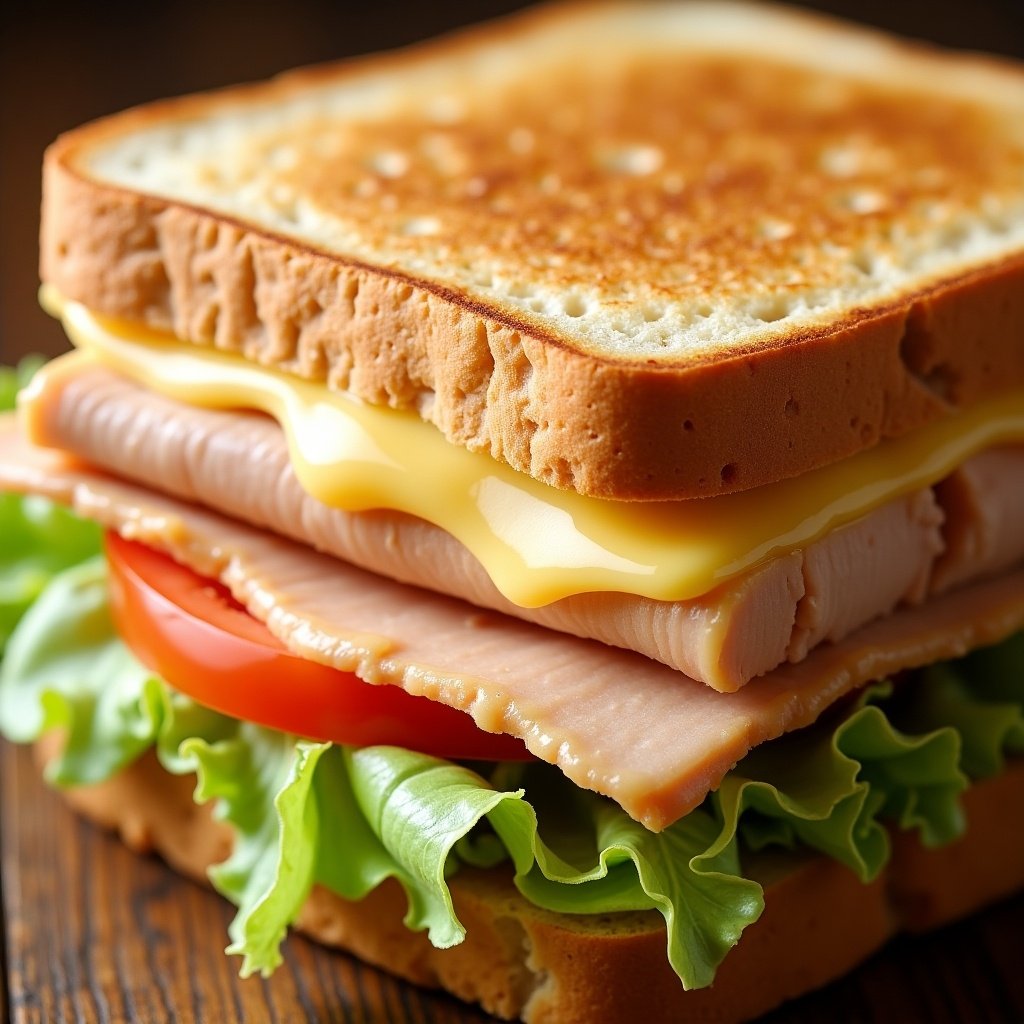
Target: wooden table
[94,933]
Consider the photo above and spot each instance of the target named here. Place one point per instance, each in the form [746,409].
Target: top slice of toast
[640,250]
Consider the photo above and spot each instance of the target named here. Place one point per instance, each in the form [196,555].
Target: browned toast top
[640,250]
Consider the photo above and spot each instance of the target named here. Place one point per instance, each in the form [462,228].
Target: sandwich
[543,511]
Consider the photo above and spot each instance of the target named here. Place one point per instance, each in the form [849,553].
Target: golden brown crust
[497,375]
[520,961]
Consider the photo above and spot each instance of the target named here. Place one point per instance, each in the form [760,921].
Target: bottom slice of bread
[519,961]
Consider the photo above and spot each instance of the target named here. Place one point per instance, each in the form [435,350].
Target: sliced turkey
[615,722]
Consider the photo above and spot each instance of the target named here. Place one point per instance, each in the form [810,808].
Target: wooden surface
[94,933]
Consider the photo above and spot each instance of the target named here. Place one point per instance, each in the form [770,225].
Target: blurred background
[62,63]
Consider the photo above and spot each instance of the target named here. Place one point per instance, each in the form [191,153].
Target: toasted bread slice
[639,250]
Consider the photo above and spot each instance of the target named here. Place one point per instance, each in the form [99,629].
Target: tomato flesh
[193,633]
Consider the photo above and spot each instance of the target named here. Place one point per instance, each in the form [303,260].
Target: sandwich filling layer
[238,464]
[654,741]
[302,812]
[896,758]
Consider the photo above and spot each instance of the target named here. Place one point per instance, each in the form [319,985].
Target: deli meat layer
[969,527]
[615,722]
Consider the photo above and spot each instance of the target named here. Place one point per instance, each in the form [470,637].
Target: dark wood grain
[94,933]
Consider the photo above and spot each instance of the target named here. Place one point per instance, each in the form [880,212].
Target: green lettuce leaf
[263,784]
[690,873]
[875,770]
[418,808]
[65,668]
[37,540]
[306,812]
[982,696]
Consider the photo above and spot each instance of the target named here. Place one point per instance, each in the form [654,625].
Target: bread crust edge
[494,383]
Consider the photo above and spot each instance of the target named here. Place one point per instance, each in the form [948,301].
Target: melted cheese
[537,543]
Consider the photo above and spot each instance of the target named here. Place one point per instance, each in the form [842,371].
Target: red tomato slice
[198,638]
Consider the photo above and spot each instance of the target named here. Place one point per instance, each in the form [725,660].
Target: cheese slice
[538,544]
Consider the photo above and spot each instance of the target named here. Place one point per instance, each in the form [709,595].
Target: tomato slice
[197,637]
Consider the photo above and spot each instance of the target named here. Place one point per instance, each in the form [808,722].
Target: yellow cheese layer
[538,543]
